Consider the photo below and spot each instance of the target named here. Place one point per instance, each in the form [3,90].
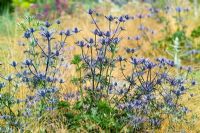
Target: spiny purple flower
[182,88]
[49,79]
[136,120]
[25,79]
[47,24]
[159,81]
[193,82]
[14,64]
[107,34]
[90,11]
[127,17]
[68,33]
[9,78]
[147,87]
[163,75]
[42,93]
[41,76]
[91,40]
[27,34]
[76,30]
[57,53]
[100,33]
[120,59]
[116,40]
[61,33]
[189,69]
[141,27]
[185,109]
[96,31]
[140,16]
[51,90]
[58,21]
[81,43]
[69,96]
[105,41]
[170,63]
[155,122]
[128,50]
[186,9]
[137,38]
[149,65]
[178,9]
[178,92]
[2,85]
[110,18]
[61,81]
[47,34]
[173,82]
[5,117]
[121,106]
[28,62]
[121,19]
[31,30]
[137,61]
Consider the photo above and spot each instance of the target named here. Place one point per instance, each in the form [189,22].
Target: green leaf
[76,60]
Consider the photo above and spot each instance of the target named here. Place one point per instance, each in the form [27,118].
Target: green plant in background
[23,4]
[5,5]
[179,44]
[175,51]
[86,3]
[196,33]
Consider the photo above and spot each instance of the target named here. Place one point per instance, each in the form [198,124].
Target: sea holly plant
[146,94]
[153,93]
[39,73]
[98,55]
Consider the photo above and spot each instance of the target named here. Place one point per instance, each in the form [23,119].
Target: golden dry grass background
[10,50]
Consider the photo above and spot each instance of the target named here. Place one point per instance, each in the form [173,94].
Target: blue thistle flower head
[96,31]
[137,38]
[91,40]
[76,30]
[107,34]
[28,62]
[90,11]
[110,18]
[178,9]
[57,53]
[2,85]
[127,17]
[42,93]
[47,34]
[68,33]
[61,33]
[61,81]
[14,64]
[121,19]
[193,82]
[31,30]
[58,21]
[9,78]
[47,24]
[81,43]
[140,16]
[27,34]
